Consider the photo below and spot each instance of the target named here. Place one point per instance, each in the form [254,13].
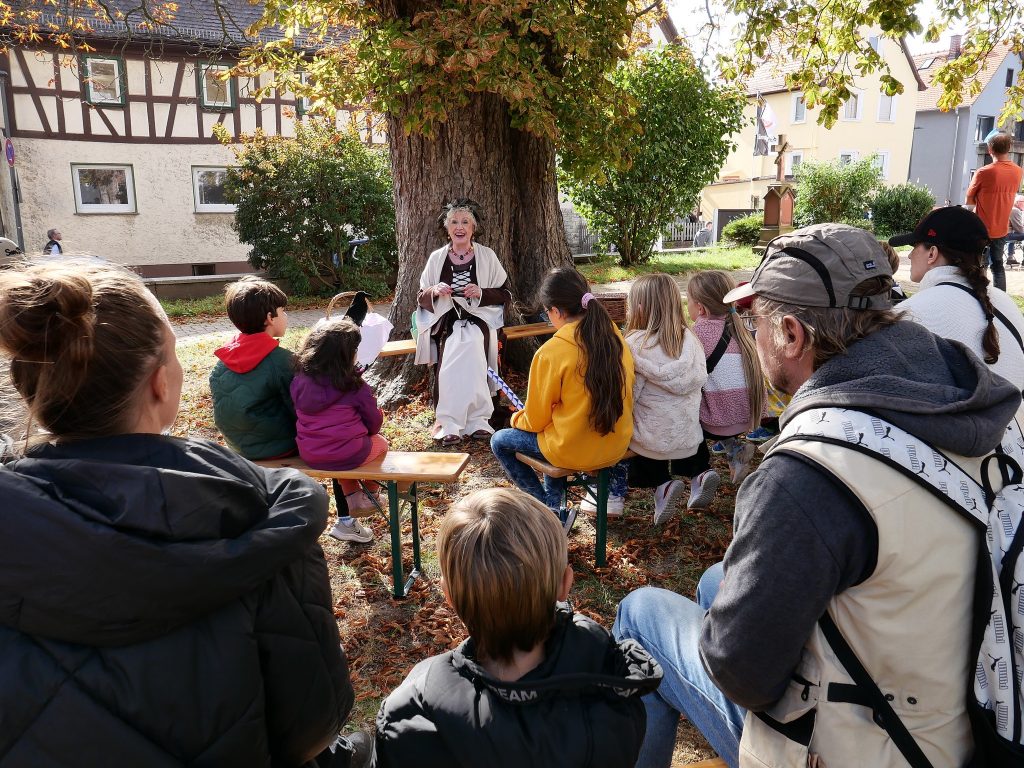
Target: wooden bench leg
[395,524]
[414,507]
[600,540]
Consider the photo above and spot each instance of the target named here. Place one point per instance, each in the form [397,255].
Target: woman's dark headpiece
[461,202]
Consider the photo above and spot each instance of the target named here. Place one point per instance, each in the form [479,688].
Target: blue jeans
[1011,242]
[668,625]
[995,261]
[506,443]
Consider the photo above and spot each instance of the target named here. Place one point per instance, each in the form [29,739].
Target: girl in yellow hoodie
[579,402]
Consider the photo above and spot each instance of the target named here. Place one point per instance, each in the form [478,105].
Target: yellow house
[870,122]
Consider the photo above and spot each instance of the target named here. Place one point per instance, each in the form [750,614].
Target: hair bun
[47,316]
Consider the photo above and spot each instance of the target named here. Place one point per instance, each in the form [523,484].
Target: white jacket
[666,397]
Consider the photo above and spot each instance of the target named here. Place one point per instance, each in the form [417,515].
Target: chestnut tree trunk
[475,154]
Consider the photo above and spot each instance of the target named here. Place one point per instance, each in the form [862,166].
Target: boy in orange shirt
[991,192]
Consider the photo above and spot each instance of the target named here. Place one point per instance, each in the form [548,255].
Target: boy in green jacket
[252,405]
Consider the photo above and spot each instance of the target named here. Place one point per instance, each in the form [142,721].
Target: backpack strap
[719,350]
[884,715]
[999,315]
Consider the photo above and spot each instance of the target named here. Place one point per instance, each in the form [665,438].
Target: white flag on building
[766,129]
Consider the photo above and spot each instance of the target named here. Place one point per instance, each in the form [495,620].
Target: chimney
[954,46]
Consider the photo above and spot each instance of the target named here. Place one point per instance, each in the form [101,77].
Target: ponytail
[971,268]
[751,368]
[601,368]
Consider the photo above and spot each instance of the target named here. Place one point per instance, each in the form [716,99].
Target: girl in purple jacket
[338,421]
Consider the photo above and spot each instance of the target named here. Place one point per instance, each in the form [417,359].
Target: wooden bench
[391,469]
[408,346]
[575,478]
[716,762]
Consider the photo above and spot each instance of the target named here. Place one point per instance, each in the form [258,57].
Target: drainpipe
[952,162]
[14,179]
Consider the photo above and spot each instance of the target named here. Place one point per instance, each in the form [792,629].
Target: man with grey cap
[822,528]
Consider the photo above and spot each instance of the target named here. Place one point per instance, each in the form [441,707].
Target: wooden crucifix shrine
[778,200]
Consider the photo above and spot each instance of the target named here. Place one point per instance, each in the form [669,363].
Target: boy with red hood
[252,405]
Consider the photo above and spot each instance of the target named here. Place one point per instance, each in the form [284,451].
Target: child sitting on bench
[535,684]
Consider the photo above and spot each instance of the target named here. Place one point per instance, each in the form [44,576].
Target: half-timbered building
[116,148]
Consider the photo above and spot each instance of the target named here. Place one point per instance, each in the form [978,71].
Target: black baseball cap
[953,227]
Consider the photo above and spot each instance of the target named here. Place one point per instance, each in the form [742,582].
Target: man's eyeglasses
[750,321]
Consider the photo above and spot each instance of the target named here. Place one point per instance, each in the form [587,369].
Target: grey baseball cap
[819,266]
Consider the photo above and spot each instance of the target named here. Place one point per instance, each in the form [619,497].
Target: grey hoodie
[800,536]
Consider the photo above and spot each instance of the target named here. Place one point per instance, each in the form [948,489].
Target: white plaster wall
[166,229]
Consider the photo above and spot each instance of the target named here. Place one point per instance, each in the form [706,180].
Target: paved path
[195,330]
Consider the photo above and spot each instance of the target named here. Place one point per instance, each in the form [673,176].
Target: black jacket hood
[909,376]
[118,540]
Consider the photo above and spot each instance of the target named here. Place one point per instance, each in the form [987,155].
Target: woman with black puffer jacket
[163,602]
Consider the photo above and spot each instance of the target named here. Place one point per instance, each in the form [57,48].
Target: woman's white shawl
[489,274]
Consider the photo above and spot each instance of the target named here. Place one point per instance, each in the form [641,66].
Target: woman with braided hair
[955,300]
[461,308]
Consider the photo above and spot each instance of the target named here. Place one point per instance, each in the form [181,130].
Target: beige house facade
[116,149]
[870,122]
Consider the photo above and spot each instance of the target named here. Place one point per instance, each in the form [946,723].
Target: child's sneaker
[353,531]
[665,497]
[739,462]
[615,506]
[760,434]
[361,505]
[718,448]
[570,518]
[702,489]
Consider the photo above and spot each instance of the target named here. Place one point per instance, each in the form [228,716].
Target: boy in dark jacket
[535,684]
[252,405]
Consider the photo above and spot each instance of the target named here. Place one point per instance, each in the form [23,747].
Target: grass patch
[384,639]
[608,270]
[213,306]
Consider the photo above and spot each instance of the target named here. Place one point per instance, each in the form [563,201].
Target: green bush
[299,202]
[831,192]
[745,230]
[898,208]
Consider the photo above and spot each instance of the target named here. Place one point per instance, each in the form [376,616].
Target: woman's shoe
[481,434]
[450,440]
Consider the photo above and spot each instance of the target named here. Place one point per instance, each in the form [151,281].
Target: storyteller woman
[462,297]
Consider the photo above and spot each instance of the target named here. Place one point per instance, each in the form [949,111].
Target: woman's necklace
[461,258]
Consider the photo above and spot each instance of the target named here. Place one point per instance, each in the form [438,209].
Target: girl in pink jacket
[338,421]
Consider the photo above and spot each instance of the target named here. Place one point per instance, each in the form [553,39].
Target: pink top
[725,404]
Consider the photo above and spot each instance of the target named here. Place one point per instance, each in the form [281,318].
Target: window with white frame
[984,127]
[848,156]
[103,80]
[799,108]
[886,108]
[302,103]
[208,189]
[881,162]
[216,90]
[853,106]
[793,160]
[104,188]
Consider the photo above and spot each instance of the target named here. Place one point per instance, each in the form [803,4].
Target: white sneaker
[354,531]
[665,497]
[615,506]
[702,490]
[739,463]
